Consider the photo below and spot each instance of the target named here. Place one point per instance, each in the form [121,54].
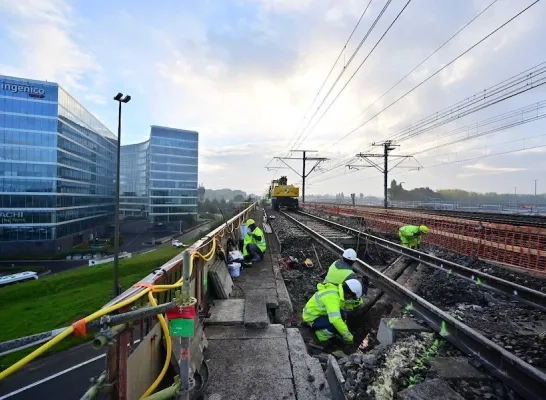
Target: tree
[238,199]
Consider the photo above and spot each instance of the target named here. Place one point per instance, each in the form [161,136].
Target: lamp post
[120,99]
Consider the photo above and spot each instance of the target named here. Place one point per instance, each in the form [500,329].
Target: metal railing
[131,362]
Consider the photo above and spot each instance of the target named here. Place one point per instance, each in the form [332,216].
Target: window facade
[57,164]
[159,177]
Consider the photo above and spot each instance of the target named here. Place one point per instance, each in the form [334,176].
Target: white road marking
[60,373]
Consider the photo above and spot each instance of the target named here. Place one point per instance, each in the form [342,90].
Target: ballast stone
[455,368]
[432,389]
[390,329]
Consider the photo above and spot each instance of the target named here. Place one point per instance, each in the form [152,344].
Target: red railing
[522,247]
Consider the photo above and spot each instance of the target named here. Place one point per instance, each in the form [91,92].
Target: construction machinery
[284,195]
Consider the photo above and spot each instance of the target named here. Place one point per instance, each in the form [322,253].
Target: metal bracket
[191,386]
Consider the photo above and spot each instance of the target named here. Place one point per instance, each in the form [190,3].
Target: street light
[120,99]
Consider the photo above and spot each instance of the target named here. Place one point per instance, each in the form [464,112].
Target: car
[178,244]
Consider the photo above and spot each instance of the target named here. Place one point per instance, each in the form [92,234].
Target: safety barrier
[522,247]
[134,366]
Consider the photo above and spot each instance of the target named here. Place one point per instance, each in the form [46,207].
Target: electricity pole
[387,148]
[536,199]
[304,159]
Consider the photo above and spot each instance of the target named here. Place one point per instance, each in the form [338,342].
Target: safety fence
[522,247]
[134,365]
[134,330]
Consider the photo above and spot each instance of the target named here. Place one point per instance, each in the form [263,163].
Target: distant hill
[226,194]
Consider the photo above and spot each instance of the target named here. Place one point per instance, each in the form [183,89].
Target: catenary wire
[437,72]
[358,68]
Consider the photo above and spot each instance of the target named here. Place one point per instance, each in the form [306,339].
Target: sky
[245,73]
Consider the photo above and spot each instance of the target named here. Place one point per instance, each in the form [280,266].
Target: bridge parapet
[134,360]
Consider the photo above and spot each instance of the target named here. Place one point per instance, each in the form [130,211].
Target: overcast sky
[243,73]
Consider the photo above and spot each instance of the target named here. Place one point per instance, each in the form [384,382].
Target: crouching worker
[411,235]
[254,245]
[341,271]
[323,311]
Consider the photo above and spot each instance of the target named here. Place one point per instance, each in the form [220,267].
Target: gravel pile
[386,370]
[302,281]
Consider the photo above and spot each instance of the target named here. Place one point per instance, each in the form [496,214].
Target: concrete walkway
[251,357]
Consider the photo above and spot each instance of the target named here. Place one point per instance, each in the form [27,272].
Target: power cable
[437,72]
[427,58]
[330,72]
[524,81]
[354,73]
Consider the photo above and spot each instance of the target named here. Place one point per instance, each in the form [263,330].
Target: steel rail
[528,381]
[521,293]
[535,221]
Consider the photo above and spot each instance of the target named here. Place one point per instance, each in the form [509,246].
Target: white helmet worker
[349,254]
[355,286]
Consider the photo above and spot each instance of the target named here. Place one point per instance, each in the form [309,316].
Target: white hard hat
[355,286]
[349,254]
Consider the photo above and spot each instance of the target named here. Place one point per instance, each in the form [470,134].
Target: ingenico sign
[31,90]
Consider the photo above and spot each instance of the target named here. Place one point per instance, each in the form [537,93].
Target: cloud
[492,169]
[43,33]
[244,72]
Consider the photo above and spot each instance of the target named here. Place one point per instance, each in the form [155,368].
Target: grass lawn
[59,300]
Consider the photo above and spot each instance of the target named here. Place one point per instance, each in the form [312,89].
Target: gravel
[507,322]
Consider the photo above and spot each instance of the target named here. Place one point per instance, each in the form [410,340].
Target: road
[62,376]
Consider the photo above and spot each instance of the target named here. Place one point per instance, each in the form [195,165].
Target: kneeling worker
[254,242]
[411,235]
[341,271]
[323,311]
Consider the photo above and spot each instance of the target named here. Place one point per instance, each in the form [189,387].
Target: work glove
[348,339]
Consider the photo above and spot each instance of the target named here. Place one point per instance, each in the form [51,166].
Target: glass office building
[159,177]
[57,169]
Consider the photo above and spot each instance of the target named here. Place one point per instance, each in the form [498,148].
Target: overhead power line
[427,58]
[330,72]
[522,82]
[358,68]
[304,159]
[343,70]
[437,72]
[513,118]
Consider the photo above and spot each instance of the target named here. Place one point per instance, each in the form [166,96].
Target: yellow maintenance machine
[283,195]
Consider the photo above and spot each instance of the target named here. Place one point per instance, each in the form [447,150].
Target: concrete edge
[335,379]
[285,309]
[309,379]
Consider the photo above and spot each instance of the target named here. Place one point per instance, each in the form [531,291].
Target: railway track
[521,247]
[538,221]
[525,379]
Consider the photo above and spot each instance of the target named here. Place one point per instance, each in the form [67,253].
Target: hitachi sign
[11,214]
[22,88]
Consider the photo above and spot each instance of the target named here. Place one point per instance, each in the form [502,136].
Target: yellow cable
[52,342]
[97,314]
[167,334]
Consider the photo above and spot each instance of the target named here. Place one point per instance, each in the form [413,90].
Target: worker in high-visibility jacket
[254,245]
[323,310]
[342,270]
[411,235]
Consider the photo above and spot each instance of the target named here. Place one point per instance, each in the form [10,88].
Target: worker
[411,235]
[254,245]
[342,270]
[323,310]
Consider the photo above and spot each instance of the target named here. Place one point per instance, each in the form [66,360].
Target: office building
[159,177]
[57,169]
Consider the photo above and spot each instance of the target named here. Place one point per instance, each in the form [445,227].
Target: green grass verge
[59,300]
